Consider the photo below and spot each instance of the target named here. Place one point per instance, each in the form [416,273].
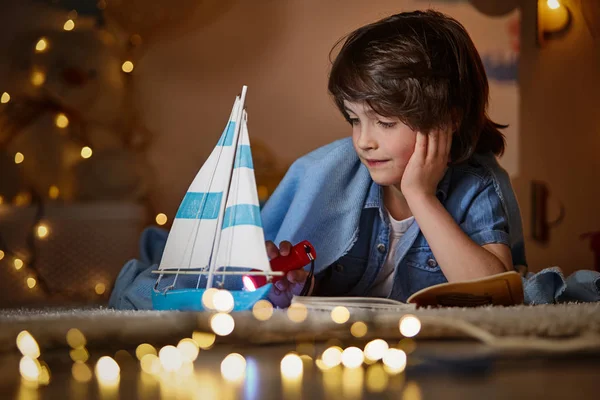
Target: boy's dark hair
[422,67]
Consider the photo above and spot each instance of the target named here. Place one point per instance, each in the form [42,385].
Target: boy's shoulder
[480,168]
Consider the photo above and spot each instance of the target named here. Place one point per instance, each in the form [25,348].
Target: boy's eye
[353,121]
[386,124]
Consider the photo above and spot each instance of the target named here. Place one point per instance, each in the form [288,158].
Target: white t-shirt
[385,279]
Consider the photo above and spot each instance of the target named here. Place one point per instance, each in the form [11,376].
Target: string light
[291,366]
[27,345]
[42,231]
[340,314]
[69,25]
[170,358]
[5,98]
[1,255]
[410,325]
[18,263]
[204,340]
[233,367]
[38,77]
[161,219]
[19,158]
[107,369]
[31,282]
[41,45]
[53,192]
[1,201]
[127,66]
[61,120]
[352,357]
[358,329]
[553,4]
[262,310]
[100,288]
[86,152]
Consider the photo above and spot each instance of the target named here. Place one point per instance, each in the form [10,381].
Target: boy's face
[383,144]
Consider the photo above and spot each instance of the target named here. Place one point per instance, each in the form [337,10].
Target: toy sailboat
[217,230]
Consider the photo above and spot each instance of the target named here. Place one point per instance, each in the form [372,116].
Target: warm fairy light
[170,358]
[332,357]
[291,366]
[75,338]
[394,360]
[262,310]
[408,345]
[41,45]
[144,349]
[44,378]
[27,345]
[86,152]
[222,324]
[31,282]
[233,367]
[18,263]
[29,368]
[42,231]
[161,219]
[79,355]
[409,325]
[107,369]
[53,192]
[1,201]
[150,364]
[340,314]
[38,77]
[5,98]
[223,301]
[358,329]
[100,288]
[375,349]
[297,312]
[81,372]
[61,120]
[553,4]
[19,157]
[69,25]
[352,357]
[1,252]
[377,378]
[127,66]
[205,340]
[189,349]
[412,391]
[353,382]
[207,298]
[22,199]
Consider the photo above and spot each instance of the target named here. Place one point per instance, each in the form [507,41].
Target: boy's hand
[283,290]
[427,164]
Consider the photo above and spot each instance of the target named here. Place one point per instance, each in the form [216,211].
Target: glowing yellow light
[144,349]
[38,77]
[204,340]
[80,355]
[358,329]
[22,199]
[41,45]
[375,349]
[127,66]
[340,314]
[222,324]
[409,325]
[69,25]
[1,201]
[42,231]
[188,349]
[352,382]
[170,358]
[161,219]
[107,369]
[352,357]
[233,367]
[53,192]
[100,288]
[5,98]
[19,158]
[44,378]
[262,310]
[553,4]
[31,282]
[394,360]
[377,379]
[86,152]
[61,120]
[412,391]
[1,254]
[27,345]
[332,357]
[75,338]
[263,192]
[297,312]
[223,301]
[18,263]
[81,372]
[291,366]
[29,368]
[150,363]
[408,345]
[207,298]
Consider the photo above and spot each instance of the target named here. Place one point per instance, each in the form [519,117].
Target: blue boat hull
[191,299]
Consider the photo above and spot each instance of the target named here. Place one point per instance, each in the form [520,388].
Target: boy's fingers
[284,248]
[282,284]
[272,250]
[297,276]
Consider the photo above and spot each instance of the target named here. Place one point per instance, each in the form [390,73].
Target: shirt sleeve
[486,220]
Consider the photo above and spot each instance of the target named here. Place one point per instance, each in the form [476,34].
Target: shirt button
[381,248]
[431,262]
[339,267]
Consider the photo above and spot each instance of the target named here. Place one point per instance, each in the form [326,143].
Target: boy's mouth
[375,163]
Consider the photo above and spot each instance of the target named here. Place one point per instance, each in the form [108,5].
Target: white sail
[242,241]
[192,235]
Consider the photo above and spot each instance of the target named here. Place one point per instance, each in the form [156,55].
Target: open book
[505,289]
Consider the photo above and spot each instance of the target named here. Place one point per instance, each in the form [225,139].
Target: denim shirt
[477,194]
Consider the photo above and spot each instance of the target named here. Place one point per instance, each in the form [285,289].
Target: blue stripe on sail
[193,201]
[242,214]
[227,136]
[243,157]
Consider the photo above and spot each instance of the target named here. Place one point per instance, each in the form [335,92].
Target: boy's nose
[365,139]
